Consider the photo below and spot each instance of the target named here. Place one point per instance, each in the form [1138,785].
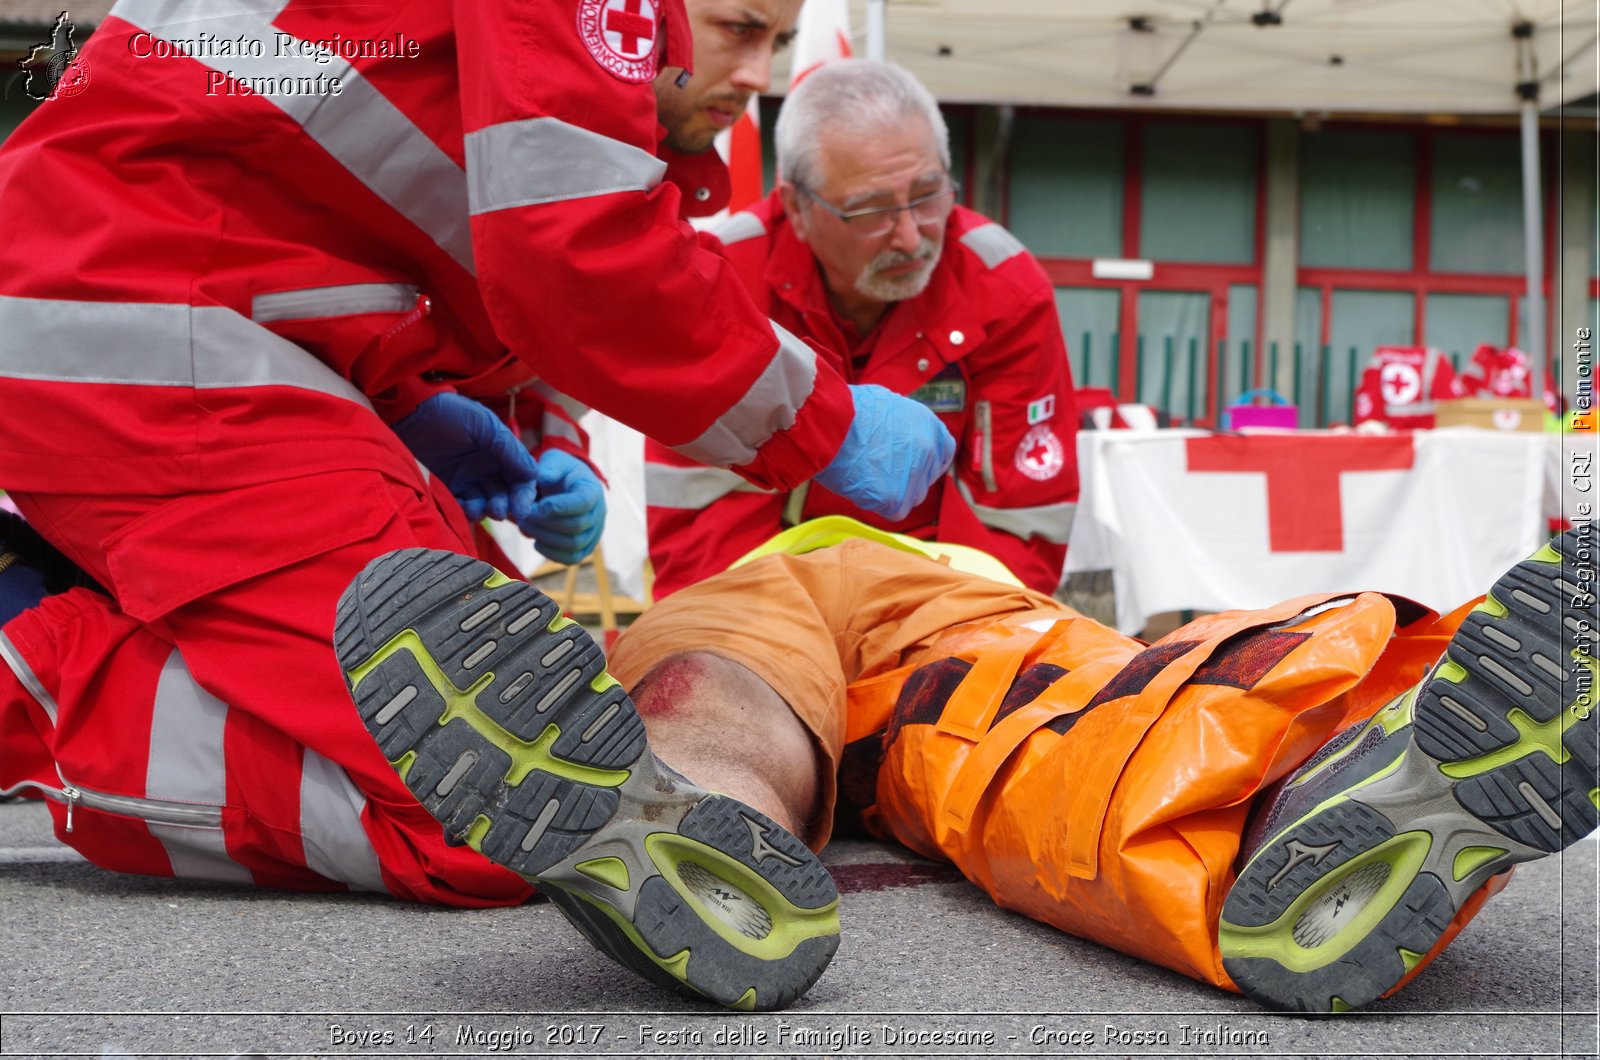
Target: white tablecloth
[1186,520]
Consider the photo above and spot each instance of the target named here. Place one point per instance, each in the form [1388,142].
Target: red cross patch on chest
[621,35]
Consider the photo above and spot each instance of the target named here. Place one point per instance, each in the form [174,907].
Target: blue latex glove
[484,465]
[895,450]
[567,518]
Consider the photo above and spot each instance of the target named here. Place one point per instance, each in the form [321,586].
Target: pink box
[1279,414]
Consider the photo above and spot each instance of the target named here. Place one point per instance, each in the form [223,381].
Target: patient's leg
[723,727]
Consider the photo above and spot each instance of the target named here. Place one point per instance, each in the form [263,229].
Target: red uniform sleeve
[587,271]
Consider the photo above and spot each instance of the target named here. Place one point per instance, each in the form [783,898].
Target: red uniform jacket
[981,346]
[1401,383]
[240,206]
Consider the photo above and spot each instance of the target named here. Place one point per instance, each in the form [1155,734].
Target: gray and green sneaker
[499,715]
[1372,855]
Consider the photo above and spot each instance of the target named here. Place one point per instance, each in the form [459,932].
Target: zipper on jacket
[154,811]
[416,315]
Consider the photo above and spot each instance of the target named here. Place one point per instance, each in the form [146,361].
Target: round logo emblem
[73,80]
[1507,419]
[1040,454]
[621,35]
[1402,384]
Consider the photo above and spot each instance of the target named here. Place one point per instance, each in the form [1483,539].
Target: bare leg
[726,729]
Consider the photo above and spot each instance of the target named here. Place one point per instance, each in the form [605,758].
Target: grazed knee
[679,684]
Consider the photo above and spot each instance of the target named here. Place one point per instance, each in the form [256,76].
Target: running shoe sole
[498,714]
[1501,767]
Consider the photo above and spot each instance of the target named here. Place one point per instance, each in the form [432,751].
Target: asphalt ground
[101,964]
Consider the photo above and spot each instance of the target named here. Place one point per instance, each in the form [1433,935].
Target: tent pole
[877,29]
[1533,244]
[1532,209]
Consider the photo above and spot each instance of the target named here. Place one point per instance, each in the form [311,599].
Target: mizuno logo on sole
[760,849]
[1299,853]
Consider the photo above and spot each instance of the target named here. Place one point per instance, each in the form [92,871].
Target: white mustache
[888,259]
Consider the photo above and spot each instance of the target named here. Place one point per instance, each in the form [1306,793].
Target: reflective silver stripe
[984,412]
[29,679]
[556,427]
[993,244]
[359,127]
[534,160]
[769,406]
[187,765]
[153,344]
[794,509]
[737,228]
[1053,522]
[690,488]
[574,407]
[345,300]
[336,845]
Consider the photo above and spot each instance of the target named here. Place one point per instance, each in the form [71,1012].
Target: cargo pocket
[203,542]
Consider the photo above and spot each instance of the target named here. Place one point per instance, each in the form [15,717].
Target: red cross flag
[822,33]
[1189,521]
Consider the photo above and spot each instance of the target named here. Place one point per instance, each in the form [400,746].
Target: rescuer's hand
[895,450]
[484,465]
[570,512]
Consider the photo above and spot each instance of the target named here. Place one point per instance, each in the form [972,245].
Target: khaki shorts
[810,625]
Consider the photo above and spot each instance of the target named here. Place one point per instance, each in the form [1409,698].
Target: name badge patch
[945,392]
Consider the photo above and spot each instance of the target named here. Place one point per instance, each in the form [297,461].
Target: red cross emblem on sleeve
[621,35]
[1040,455]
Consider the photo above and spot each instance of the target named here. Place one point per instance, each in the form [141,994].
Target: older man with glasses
[864,251]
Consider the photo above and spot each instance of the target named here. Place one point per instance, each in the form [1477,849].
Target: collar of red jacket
[702,178]
[677,44]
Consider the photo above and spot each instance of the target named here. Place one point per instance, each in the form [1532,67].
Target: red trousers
[198,724]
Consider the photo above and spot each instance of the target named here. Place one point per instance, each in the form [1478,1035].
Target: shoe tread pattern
[434,594]
[1483,648]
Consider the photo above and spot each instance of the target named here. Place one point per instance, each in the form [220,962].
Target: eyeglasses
[877,220]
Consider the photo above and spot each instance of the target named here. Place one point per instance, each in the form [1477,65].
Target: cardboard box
[1491,414]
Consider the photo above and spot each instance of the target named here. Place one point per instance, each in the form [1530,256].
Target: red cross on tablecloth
[1304,509]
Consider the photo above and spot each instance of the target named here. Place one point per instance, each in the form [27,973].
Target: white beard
[898,288]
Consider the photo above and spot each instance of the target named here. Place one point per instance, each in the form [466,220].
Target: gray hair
[856,96]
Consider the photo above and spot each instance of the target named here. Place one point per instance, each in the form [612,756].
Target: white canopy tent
[1284,56]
